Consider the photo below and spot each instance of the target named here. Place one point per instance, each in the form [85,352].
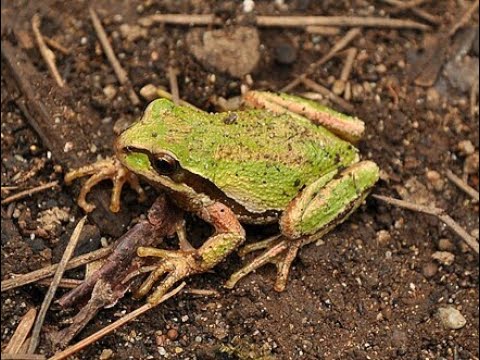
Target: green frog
[288,160]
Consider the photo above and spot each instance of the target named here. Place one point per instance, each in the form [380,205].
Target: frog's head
[150,147]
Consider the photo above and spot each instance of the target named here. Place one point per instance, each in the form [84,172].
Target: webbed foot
[280,251]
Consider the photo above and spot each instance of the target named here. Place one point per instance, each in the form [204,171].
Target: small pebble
[198,339]
[149,92]
[433,98]
[445,245]
[172,334]
[470,165]
[106,354]
[162,351]
[248,6]
[444,257]
[451,318]
[110,91]
[160,339]
[383,237]
[465,147]
[435,179]
[285,54]
[381,68]
[429,270]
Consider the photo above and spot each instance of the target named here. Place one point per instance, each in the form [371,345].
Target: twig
[24,279]
[347,66]
[419,12]
[439,213]
[21,333]
[202,292]
[462,185]
[151,92]
[323,30]
[464,18]
[287,21]
[172,78]
[410,4]
[64,283]
[312,85]
[53,286]
[121,74]
[23,357]
[28,192]
[113,326]
[473,98]
[46,53]
[341,44]
[54,44]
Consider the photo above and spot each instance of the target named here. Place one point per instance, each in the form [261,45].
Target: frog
[280,159]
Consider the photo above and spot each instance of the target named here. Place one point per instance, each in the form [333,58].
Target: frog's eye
[165,164]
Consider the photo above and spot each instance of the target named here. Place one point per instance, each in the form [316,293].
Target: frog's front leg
[229,235]
[316,210]
[101,170]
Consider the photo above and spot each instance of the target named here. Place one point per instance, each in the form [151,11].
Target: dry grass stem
[464,18]
[113,326]
[288,21]
[462,185]
[348,65]
[24,279]
[34,340]
[312,85]
[439,213]
[202,292]
[55,45]
[473,98]
[323,30]
[121,74]
[401,6]
[21,333]
[28,192]
[340,45]
[172,78]
[46,53]
[64,283]
[23,357]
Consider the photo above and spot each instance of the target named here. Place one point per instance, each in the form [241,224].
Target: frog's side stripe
[322,204]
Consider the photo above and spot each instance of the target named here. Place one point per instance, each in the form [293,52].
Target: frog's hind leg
[314,212]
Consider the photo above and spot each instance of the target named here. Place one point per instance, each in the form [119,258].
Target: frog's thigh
[324,204]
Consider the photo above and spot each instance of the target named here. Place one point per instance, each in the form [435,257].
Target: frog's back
[258,159]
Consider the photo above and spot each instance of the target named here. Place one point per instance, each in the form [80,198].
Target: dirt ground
[370,290]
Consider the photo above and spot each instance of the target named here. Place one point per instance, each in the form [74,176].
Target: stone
[444,257]
[233,50]
[429,270]
[451,318]
[445,245]
[465,147]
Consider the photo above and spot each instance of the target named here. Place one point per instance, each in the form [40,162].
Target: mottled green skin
[259,160]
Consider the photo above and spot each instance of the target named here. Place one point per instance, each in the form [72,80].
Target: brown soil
[370,291]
